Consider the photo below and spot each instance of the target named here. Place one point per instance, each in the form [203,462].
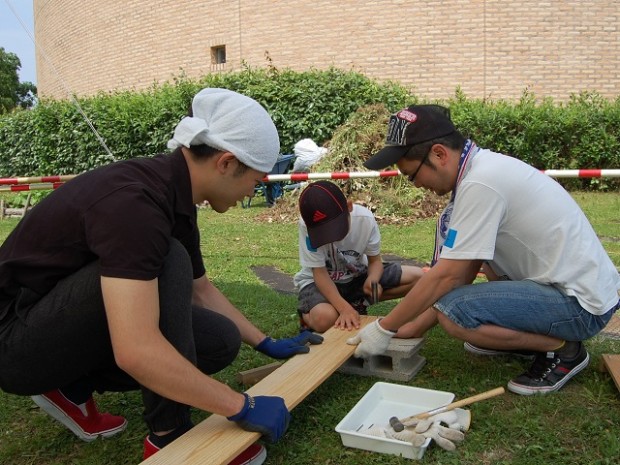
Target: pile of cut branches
[393,200]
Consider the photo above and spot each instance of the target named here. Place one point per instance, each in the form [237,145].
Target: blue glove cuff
[249,403]
[262,347]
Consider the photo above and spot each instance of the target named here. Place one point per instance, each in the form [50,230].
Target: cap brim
[387,156]
[333,231]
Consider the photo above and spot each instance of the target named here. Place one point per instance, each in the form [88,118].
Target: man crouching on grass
[552,285]
[103,286]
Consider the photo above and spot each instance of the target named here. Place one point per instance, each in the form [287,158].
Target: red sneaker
[253,455]
[87,426]
[149,448]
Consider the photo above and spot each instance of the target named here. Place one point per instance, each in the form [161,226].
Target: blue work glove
[287,347]
[265,415]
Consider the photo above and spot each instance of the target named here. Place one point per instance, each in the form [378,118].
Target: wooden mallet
[397,425]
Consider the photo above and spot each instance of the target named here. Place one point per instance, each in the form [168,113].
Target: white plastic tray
[377,406]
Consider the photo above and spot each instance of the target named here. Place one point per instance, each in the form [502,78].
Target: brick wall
[490,48]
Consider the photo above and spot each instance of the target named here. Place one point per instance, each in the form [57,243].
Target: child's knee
[410,274]
[321,318]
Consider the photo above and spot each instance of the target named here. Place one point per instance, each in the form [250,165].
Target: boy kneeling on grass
[339,252]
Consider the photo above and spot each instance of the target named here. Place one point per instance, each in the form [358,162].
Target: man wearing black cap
[551,283]
[342,270]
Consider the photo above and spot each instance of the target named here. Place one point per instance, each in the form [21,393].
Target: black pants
[62,340]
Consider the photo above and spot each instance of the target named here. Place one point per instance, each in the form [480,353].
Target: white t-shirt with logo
[345,259]
[528,227]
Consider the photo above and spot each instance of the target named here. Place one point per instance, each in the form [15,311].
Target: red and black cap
[324,209]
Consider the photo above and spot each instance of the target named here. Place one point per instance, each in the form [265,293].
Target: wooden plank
[254,375]
[216,441]
[612,361]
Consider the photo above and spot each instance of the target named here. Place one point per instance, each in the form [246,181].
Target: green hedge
[582,133]
[54,138]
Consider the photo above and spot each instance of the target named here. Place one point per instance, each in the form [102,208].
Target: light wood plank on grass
[612,361]
[216,441]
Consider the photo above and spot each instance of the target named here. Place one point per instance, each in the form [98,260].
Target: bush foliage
[55,138]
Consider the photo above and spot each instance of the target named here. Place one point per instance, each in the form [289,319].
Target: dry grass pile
[393,200]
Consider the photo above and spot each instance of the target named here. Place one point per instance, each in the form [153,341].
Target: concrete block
[401,362]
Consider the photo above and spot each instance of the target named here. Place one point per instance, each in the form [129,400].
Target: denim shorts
[352,292]
[522,306]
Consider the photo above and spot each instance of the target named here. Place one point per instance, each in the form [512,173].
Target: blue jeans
[523,306]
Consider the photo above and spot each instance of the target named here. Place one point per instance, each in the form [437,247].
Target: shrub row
[55,138]
[582,133]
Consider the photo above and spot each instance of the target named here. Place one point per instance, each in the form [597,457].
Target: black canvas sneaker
[549,372]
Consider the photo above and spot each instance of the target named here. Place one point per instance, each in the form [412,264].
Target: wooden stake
[254,375]
[612,361]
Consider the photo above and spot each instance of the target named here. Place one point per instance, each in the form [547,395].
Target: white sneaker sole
[59,415]
[528,390]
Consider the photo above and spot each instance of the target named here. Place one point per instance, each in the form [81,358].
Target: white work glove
[458,419]
[444,437]
[372,340]
[406,435]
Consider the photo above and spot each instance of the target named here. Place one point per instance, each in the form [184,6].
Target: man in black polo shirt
[103,287]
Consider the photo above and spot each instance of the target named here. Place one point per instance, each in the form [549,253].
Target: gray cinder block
[401,362]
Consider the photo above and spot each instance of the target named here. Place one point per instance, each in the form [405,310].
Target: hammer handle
[459,403]
[375,292]
[398,423]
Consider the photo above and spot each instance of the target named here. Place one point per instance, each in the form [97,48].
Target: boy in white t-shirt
[342,271]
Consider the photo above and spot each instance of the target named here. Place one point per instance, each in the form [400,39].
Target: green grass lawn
[578,425]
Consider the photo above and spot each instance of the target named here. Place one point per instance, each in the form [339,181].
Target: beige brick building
[490,48]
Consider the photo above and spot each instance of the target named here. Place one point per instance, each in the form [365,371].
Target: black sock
[78,392]
[164,440]
[570,349]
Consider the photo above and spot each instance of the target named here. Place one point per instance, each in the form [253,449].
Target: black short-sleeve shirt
[123,214]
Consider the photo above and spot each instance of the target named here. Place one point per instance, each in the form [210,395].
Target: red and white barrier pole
[31,187]
[36,179]
[594,173]
[335,175]
[20,184]
[582,173]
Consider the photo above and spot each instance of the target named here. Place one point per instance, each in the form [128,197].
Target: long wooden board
[216,441]
[612,361]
